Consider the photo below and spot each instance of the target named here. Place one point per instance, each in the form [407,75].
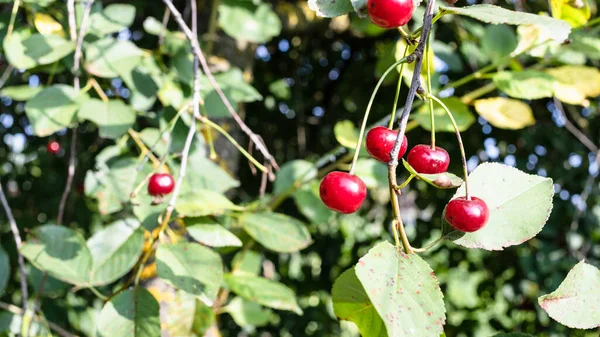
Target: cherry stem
[405,183]
[395,231]
[460,142]
[431,114]
[396,208]
[393,115]
[366,117]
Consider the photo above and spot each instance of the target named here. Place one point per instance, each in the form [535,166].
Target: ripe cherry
[390,13]
[53,147]
[160,184]
[380,142]
[467,215]
[426,160]
[342,192]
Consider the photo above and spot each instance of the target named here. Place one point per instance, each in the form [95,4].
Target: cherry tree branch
[17,236]
[197,51]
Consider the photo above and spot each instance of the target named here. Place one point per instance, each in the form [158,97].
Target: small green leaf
[247,262]
[144,82]
[498,42]
[262,291]
[235,88]
[115,250]
[372,172]
[588,45]
[247,313]
[152,25]
[14,50]
[463,117]
[113,118]
[201,202]
[440,180]
[4,270]
[295,171]
[46,49]
[114,18]
[310,205]
[243,21]
[330,8]
[346,133]
[110,57]
[132,313]
[280,89]
[61,252]
[190,267]
[528,84]
[204,173]
[21,92]
[559,30]
[404,291]
[53,109]
[360,7]
[277,232]
[351,303]
[519,205]
[576,301]
[212,234]
[112,184]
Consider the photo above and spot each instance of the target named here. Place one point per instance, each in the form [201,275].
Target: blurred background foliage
[295,76]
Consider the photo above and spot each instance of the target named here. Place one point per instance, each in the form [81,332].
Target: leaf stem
[99,90]
[431,113]
[209,137]
[405,183]
[393,115]
[98,294]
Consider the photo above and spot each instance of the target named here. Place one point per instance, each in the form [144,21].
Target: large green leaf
[464,118]
[245,22]
[114,18]
[559,30]
[404,291]
[519,205]
[4,270]
[113,118]
[53,109]
[212,234]
[576,302]
[351,303]
[277,232]
[132,313]
[21,92]
[61,252]
[201,202]
[293,172]
[46,49]
[115,250]
[110,57]
[330,8]
[498,42]
[266,292]
[528,84]
[247,313]
[112,184]
[190,267]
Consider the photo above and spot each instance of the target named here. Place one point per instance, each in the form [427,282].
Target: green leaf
[14,50]
[248,23]
[110,57]
[113,118]
[114,18]
[505,113]
[247,262]
[346,133]
[513,334]
[247,313]
[360,7]
[464,118]
[528,84]
[53,287]
[277,232]
[351,303]
[404,291]
[144,82]
[462,285]
[280,89]
[177,311]
[21,92]
[115,250]
[372,172]
[519,205]
[448,54]
[576,301]
[234,87]
[557,29]
[204,173]
[204,318]
[112,184]
[190,267]
[574,84]
[152,25]
[440,180]
[61,252]
[262,291]
[588,45]
[212,234]
[11,324]
[310,205]
[291,172]
[330,8]
[53,109]
[132,313]
[498,42]
[201,202]
[46,49]
[4,270]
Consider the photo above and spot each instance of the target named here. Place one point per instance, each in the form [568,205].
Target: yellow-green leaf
[46,25]
[576,13]
[576,83]
[505,113]
[346,134]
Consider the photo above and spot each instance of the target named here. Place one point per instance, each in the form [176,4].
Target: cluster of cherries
[345,193]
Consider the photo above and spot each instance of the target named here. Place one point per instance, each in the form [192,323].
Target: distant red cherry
[160,184]
[467,215]
[380,142]
[53,147]
[426,160]
[390,13]
[342,192]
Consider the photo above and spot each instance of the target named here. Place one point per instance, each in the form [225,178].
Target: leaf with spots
[351,303]
[576,302]
[404,291]
[519,205]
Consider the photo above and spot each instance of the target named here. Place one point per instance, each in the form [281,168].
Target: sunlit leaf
[109,57]
[113,118]
[212,234]
[247,313]
[266,292]
[293,172]
[244,21]
[47,25]
[575,15]
[277,232]
[21,92]
[201,202]
[330,8]
[505,113]
[463,117]
[574,84]
[528,84]
[498,42]
[346,133]
[131,313]
[113,18]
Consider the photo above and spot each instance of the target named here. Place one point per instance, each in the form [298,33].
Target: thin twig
[18,311]
[7,71]
[72,21]
[163,28]
[197,51]
[583,139]
[18,243]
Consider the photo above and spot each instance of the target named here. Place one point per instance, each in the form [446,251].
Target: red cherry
[467,215]
[53,147]
[426,160]
[390,13]
[160,184]
[380,142]
[342,192]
